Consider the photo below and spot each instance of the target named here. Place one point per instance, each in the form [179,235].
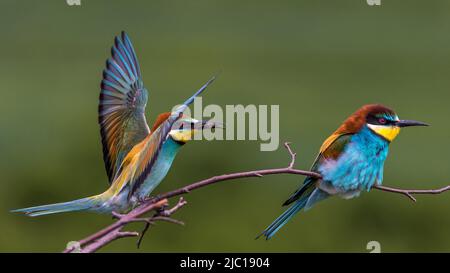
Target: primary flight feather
[136,159]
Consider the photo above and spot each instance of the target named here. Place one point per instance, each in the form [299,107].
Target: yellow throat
[182,135]
[388,132]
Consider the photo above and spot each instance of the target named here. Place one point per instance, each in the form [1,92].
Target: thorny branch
[160,203]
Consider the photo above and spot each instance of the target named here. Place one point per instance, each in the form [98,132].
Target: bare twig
[163,215]
[159,203]
[410,193]
[143,232]
[110,233]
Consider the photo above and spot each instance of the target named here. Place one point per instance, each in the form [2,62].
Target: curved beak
[407,123]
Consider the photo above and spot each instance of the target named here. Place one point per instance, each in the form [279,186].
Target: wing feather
[139,162]
[331,148]
[122,105]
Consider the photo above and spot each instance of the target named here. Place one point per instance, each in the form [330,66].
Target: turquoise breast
[162,165]
[360,166]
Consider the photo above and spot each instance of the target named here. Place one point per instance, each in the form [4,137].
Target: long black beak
[407,123]
[210,124]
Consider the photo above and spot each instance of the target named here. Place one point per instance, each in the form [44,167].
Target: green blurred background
[318,60]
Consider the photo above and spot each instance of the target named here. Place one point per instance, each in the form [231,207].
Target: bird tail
[309,198]
[283,218]
[88,203]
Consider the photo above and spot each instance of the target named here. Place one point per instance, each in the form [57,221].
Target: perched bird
[350,160]
[136,158]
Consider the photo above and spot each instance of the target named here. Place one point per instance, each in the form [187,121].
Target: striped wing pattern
[139,161]
[122,105]
[152,147]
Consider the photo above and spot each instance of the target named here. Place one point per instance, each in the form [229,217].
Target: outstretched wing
[121,110]
[140,160]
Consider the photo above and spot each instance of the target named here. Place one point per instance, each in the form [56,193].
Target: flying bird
[136,157]
[351,160]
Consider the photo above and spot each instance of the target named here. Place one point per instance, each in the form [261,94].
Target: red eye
[382,120]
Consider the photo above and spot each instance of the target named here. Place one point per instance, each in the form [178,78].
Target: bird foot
[152,199]
[142,200]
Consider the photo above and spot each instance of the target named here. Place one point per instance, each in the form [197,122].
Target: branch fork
[159,204]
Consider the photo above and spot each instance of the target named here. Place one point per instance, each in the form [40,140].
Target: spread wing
[140,160]
[331,149]
[122,105]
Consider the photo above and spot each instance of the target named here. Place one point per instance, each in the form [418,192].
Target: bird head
[185,127]
[380,119]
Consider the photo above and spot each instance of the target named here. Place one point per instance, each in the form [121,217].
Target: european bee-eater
[350,160]
[136,158]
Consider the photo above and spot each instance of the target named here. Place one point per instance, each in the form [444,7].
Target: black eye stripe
[371,119]
[185,125]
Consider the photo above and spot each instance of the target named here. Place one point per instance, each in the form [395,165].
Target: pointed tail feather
[283,218]
[89,203]
[309,181]
[309,197]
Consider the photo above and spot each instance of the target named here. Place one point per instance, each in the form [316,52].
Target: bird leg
[149,199]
